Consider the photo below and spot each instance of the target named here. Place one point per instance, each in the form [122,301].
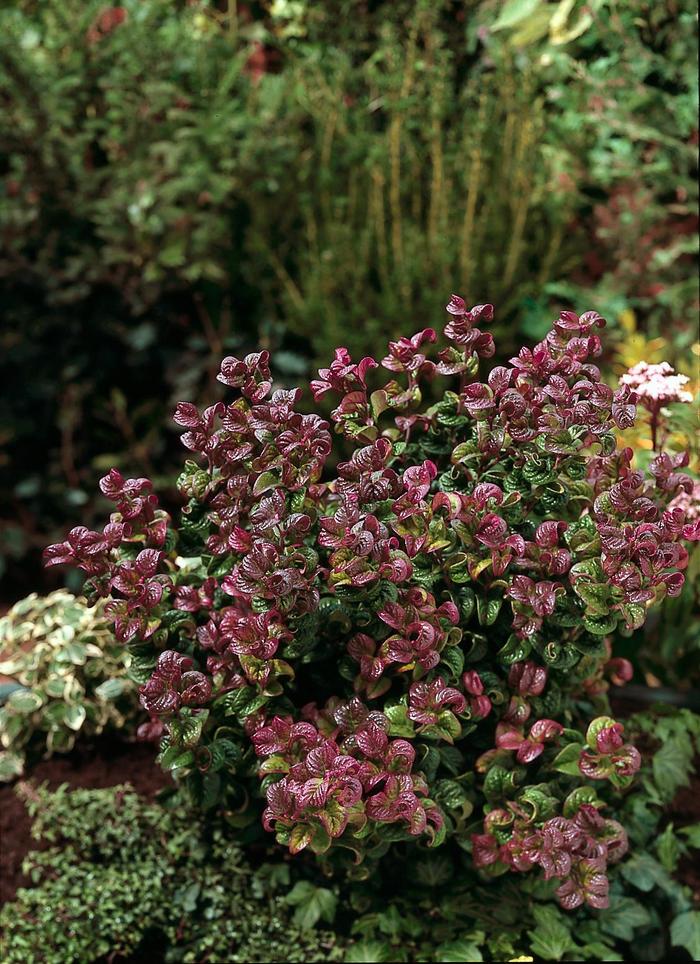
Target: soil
[104,764]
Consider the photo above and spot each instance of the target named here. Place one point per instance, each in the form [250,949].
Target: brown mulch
[104,764]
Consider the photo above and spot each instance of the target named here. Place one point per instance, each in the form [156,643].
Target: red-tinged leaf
[299,838]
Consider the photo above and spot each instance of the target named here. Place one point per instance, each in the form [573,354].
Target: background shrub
[177,184]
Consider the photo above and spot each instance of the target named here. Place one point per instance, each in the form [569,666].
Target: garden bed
[109,762]
[106,763]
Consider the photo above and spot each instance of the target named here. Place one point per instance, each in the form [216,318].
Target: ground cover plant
[117,873]
[413,646]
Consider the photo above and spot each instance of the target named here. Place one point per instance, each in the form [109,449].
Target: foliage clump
[400,648]
[120,874]
[72,678]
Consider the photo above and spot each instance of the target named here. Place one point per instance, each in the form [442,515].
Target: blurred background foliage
[179,180]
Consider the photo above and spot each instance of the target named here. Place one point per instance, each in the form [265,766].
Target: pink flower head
[657,385]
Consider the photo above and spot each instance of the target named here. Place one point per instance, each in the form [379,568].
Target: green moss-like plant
[121,873]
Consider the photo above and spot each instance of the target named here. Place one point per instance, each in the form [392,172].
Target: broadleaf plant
[397,648]
[70,677]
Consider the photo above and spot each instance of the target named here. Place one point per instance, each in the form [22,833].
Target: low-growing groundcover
[121,874]
[410,648]
[70,676]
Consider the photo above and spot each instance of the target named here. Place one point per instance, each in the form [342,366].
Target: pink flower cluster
[656,384]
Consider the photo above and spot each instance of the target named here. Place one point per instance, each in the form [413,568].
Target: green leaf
[453,658]
[644,872]
[399,723]
[300,838]
[241,702]
[188,731]
[466,601]
[141,669]
[75,716]
[265,481]
[55,715]
[692,834]
[672,766]
[75,653]
[224,754]
[488,608]
[57,686]
[551,939]
[111,689]
[461,949]
[447,728]
[600,625]
[623,917]
[453,796]
[312,904]
[174,757]
[685,932]
[25,701]
[596,598]
[667,848]
[332,817]
[369,952]
[514,650]
[567,759]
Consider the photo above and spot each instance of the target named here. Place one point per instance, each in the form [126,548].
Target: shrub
[164,201]
[121,221]
[72,675]
[411,640]
[621,88]
[434,907]
[119,874]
